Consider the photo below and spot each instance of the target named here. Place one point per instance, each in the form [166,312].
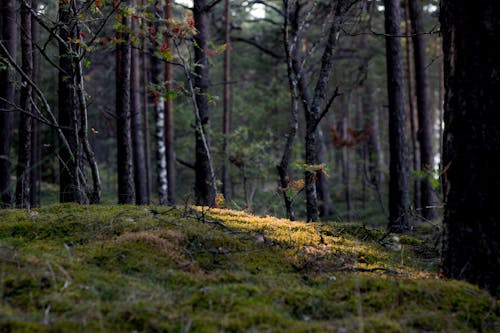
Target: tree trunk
[399,178]
[471,247]
[375,158]
[70,159]
[145,111]
[126,193]
[226,125]
[159,118]
[8,37]
[324,199]
[205,189]
[169,112]
[36,152]
[24,185]
[417,199]
[425,126]
[137,126]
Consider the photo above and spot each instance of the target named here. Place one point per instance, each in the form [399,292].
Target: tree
[8,34]
[70,154]
[136,121]
[398,165]
[126,193]
[471,143]
[169,109]
[315,102]
[24,186]
[159,113]
[226,123]
[425,132]
[205,187]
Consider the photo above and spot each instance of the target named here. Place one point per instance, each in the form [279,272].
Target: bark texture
[205,190]
[71,154]
[23,185]
[137,126]
[471,143]
[398,167]
[8,36]
[169,112]
[126,193]
[425,126]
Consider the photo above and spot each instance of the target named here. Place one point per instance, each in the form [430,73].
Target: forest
[249,166]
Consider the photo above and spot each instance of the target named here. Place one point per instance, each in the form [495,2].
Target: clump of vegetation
[71,268]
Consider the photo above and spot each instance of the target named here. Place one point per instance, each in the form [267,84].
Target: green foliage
[70,268]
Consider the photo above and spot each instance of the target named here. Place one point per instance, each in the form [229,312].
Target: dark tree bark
[471,35]
[24,186]
[8,38]
[289,36]
[415,161]
[36,152]
[226,125]
[315,102]
[126,193]
[145,110]
[375,155]
[425,126]
[71,154]
[169,112]
[205,189]
[399,220]
[137,126]
[325,205]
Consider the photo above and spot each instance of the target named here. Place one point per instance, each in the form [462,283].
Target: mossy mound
[70,268]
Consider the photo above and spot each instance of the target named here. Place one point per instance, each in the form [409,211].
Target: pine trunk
[137,126]
[399,220]
[471,35]
[71,155]
[126,193]
[205,189]
[8,33]
[24,186]
[425,132]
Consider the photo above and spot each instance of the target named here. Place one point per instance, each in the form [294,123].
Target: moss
[71,268]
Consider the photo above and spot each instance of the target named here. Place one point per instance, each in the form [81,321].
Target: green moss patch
[71,268]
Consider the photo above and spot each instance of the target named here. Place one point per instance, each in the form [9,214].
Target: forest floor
[70,268]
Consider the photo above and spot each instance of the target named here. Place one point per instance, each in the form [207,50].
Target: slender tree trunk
[70,155]
[283,168]
[24,185]
[169,112]
[471,247]
[36,153]
[126,193]
[137,126]
[375,158]
[145,112]
[227,99]
[411,106]
[425,126]
[205,189]
[7,92]
[346,165]
[159,117]
[399,177]
[325,200]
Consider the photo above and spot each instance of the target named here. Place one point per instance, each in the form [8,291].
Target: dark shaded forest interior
[377,114]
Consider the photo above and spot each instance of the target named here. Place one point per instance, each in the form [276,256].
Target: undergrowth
[71,268]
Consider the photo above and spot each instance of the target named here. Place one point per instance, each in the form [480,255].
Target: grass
[70,268]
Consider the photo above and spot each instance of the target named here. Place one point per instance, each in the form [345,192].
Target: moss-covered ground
[70,268]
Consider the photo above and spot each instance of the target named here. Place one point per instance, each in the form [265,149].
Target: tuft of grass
[71,268]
